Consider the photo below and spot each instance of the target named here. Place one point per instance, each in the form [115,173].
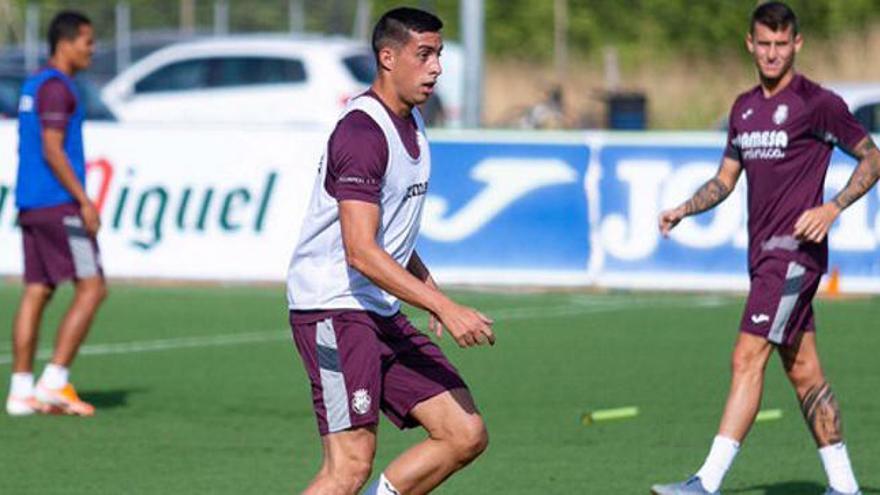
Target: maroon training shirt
[785,143]
[55,104]
[357,154]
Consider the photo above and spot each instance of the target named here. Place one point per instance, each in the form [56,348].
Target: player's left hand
[814,224]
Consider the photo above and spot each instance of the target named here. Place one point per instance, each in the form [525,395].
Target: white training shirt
[319,277]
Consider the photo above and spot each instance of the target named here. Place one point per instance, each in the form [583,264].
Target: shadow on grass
[792,488]
[108,399]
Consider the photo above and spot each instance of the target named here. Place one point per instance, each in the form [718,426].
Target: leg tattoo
[822,414]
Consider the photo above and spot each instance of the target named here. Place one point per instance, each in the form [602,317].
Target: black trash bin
[627,111]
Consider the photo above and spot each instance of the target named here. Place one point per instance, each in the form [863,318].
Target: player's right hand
[467,326]
[91,218]
[669,219]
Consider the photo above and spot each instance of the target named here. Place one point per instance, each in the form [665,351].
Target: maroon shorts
[56,246]
[359,362]
[780,303]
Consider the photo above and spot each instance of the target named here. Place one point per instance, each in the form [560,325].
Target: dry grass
[682,93]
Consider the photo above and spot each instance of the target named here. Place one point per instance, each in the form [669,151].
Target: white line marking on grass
[583,307]
[166,344]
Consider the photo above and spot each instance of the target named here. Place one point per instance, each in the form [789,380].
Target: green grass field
[199,390]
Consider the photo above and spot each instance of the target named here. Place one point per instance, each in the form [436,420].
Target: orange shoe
[65,399]
[25,406]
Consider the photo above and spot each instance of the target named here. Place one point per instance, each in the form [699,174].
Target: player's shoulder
[814,94]
[358,123]
[55,84]
[55,93]
[356,130]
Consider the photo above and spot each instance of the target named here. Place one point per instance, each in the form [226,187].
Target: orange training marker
[832,289]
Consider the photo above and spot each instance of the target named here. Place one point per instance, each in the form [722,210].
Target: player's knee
[470,438]
[805,374]
[93,292]
[745,362]
[352,473]
[102,293]
[41,293]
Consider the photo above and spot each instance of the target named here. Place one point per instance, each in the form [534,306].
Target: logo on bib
[26,104]
[360,402]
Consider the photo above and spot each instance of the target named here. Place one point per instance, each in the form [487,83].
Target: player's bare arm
[360,222]
[709,195]
[53,151]
[814,224]
[417,267]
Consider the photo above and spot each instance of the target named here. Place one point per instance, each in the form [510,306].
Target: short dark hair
[65,26]
[394,26]
[777,16]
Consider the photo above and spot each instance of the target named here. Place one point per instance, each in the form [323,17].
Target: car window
[362,67]
[178,76]
[90,96]
[248,71]
[869,116]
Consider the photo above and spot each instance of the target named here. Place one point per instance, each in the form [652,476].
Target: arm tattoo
[863,178]
[822,414]
[707,196]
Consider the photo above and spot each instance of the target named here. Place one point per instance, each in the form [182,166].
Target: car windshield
[362,67]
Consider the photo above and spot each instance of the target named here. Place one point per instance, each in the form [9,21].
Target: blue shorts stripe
[328,359]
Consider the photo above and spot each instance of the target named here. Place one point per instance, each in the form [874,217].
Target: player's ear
[750,43]
[798,42]
[387,57]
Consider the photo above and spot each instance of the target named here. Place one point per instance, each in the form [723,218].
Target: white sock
[382,487]
[22,384]
[837,467]
[717,463]
[54,376]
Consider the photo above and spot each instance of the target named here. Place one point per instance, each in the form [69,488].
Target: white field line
[574,308]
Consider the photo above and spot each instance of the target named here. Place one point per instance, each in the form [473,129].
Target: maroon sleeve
[357,157]
[834,124]
[55,104]
[730,149]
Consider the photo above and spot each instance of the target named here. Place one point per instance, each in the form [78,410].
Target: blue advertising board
[591,208]
[506,205]
[637,181]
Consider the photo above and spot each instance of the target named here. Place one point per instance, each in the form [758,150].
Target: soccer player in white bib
[356,261]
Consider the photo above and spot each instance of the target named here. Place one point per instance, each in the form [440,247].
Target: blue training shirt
[37,186]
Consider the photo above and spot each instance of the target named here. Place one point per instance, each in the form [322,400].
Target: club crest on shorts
[781,114]
[360,401]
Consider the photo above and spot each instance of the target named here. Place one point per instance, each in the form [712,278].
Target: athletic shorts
[56,246]
[780,303]
[359,362]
